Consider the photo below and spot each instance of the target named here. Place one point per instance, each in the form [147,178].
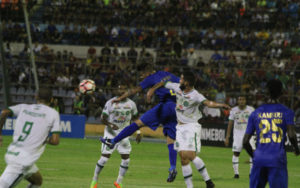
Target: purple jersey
[270,123]
[163,93]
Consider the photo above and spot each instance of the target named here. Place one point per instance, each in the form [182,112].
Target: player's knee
[185,161]
[125,156]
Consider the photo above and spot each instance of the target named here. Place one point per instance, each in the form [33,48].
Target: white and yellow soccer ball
[87,86]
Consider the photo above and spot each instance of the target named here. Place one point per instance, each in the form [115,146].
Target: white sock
[199,164]
[235,164]
[187,173]
[33,186]
[123,169]
[100,164]
[251,164]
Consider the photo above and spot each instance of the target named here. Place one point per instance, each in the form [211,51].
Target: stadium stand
[173,35]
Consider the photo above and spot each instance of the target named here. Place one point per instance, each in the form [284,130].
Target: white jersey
[33,124]
[187,104]
[120,113]
[240,119]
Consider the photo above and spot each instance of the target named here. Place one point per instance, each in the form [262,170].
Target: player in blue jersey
[163,113]
[271,122]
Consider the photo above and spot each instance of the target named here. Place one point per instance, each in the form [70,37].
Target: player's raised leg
[127,131]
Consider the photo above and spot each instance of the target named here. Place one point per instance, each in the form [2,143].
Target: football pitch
[72,163]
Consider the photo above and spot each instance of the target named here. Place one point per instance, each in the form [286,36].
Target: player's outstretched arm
[54,139]
[4,114]
[152,90]
[293,138]
[128,93]
[246,144]
[228,133]
[213,104]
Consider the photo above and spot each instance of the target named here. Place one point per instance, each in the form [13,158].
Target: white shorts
[237,145]
[14,173]
[123,147]
[188,137]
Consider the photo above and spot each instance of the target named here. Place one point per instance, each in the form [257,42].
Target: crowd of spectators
[266,30]
[222,78]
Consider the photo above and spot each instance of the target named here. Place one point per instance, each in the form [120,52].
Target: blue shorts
[276,176]
[162,113]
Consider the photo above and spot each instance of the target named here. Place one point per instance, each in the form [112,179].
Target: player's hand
[226,106]
[138,138]
[116,100]
[226,142]
[150,94]
[1,140]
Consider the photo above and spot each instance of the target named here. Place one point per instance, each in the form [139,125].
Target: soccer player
[163,113]
[238,118]
[188,130]
[271,121]
[33,124]
[116,116]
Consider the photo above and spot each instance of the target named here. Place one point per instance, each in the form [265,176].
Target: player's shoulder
[130,101]
[251,108]
[235,109]
[109,101]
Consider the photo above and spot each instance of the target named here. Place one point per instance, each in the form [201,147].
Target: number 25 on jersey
[266,128]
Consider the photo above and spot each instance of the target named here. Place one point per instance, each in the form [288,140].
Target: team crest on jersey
[185,103]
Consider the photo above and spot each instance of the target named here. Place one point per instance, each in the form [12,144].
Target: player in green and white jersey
[116,116]
[238,119]
[188,130]
[33,124]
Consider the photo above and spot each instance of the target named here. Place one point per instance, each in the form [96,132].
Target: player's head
[121,89]
[145,70]
[44,95]
[274,88]
[187,79]
[242,100]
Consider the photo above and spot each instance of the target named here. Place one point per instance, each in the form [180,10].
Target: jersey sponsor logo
[213,134]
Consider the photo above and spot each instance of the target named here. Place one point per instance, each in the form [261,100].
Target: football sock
[199,164]
[127,131]
[33,186]
[99,166]
[251,164]
[172,156]
[235,164]
[187,173]
[123,169]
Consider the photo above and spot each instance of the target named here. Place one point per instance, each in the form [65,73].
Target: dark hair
[275,88]
[45,94]
[242,95]
[189,77]
[145,67]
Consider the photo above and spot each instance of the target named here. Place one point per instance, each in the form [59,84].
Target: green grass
[72,163]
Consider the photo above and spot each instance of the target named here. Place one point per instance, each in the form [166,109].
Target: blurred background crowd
[232,46]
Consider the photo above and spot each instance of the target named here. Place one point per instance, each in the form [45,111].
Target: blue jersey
[270,123]
[163,93]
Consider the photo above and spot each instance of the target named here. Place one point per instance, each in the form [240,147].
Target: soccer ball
[87,86]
